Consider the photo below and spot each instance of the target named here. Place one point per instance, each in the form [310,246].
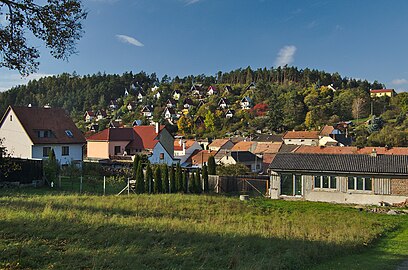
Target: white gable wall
[16,140]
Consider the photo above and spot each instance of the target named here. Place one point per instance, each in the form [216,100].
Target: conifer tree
[185,182]
[157,180]
[179,181]
[198,185]
[211,166]
[172,180]
[135,165]
[192,184]
[165,179]
[149,179]
[140,184]
[205,179]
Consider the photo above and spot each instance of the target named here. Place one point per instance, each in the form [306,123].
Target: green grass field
[39,230]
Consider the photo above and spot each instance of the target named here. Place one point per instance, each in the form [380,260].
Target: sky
[364,39]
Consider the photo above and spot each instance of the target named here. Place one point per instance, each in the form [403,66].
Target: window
[46,151]
[11,118]
[291,185]
[161,155]
[325,181]
[360,183]
[69,133]
[117,150]
[45,134]
[65,151]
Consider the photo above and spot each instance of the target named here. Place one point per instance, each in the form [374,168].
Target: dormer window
[45,134]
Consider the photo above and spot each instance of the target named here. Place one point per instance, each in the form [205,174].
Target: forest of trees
[284,98]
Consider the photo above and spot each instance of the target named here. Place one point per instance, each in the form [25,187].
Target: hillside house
[212,91]
[229,113]
[101,114]
[89,116]
[246,103]
[196,90]
[176,94]
[340,178]
[113,105]
[382,93]
[131,106]
[227,89]
[140,95]
[251,86]
[188,103]
[223,103]
[301,138]
[199,121]
[32,132]
[169,114]
[201,158]
[171,103]
[147,111]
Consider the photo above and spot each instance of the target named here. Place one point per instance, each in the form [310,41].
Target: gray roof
[363,164]
[244,156]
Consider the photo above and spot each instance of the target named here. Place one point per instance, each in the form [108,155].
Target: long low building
[340,178]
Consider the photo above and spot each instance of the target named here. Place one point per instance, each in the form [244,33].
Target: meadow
[176,231]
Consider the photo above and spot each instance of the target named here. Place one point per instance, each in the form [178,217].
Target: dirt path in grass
[403,266]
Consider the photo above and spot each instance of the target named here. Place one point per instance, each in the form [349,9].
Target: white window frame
[321,182]
[355,179]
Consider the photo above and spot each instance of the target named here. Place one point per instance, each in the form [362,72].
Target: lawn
[175,231]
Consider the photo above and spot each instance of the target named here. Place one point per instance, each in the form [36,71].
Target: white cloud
[190,2]
[400,81]
[14,79]
[130,40]
[286,56]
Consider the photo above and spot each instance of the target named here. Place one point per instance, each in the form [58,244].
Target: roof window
[69,133]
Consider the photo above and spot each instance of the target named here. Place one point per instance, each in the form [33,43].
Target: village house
[227,89]
[382,93]
[211,91]
[188,103]
[154,141]
[171,103]
[196,90]
[176,94]
[113,105]
[183,149]
[244,146]
[131,106]
[199,159]
[340,178]
[199,121]
[218,144]
[32,132]
[169,114]
[101,114]
[140,95]
[89,116]
[229,114]
[250,160]
[246,103]
[147,111]
[223,103]
[301,138]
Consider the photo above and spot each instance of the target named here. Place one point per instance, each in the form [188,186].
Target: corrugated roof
[365,164]
[34,119]
[351,150]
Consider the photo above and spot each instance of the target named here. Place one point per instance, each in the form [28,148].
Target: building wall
[380,193]
[16,140]
[167,141]
[399,187]
[227,145]
[97,149]
[312,142]
[159,150]
[113,144]
[75,152]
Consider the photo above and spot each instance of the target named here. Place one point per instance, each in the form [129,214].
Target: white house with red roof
[32,132]
[382,92]
[155,141]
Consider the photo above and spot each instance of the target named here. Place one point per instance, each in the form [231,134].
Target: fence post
[80,185]
[104,185]
[59,181]
[128,187]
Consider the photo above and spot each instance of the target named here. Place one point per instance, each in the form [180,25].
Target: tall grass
[178,232]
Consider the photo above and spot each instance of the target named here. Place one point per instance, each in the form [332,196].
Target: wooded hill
[282,99]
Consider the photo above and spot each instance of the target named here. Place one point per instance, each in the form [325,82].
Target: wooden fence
[247,184]
[25,171]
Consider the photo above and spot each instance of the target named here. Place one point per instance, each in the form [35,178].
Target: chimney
[157,127]
[374,153]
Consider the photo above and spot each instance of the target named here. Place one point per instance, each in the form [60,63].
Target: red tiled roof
[301,135]
[202,157]
[218,142]
[139,137]
[178,147]
[267,147]
[381,90]
[34,119]
[327,130]
[243,146]
[90,113]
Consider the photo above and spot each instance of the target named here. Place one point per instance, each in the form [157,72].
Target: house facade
[218,144]
[301,138]
[32,132]
[340,178]
[252,161]
[382,93]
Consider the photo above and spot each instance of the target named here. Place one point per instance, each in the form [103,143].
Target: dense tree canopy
[58,23]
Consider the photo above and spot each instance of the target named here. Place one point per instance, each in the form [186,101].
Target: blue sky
[364,39]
